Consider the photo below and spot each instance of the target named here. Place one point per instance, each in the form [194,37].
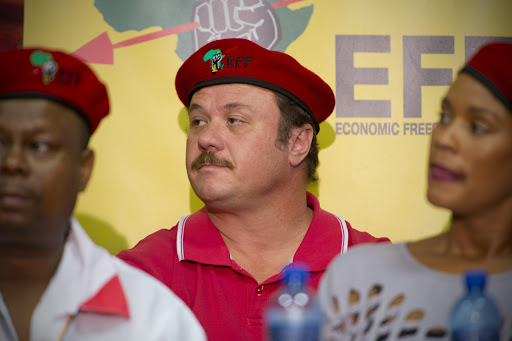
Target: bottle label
[475,336]
[294,332]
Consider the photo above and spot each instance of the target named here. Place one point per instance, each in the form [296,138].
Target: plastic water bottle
[475,316]
[293,313]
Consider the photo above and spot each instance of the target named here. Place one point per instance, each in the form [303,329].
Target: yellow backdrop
[374,178]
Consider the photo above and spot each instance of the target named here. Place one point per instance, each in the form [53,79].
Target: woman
[408,289]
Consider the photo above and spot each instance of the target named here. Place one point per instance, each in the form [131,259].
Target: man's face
[233,159]
[42,168]
[471,150]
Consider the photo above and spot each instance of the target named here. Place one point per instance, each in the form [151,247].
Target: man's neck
[263,241]
[29,263]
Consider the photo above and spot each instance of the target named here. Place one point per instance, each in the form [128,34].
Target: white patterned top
[381,292]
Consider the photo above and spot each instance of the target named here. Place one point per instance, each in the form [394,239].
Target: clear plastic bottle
[293,314]
[475,316]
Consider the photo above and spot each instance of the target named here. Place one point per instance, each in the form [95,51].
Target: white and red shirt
[96,296]
[193,260]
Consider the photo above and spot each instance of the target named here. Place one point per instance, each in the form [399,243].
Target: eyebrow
[446,101]
[35,127]
[474,110]
[235,105]
[193,106]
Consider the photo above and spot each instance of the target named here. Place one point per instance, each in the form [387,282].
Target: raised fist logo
[255,20]
[215,56]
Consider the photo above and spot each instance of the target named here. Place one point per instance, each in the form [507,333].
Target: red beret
[492,66]
[43,73]
[242,61]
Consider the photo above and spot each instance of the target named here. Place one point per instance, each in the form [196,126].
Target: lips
[14,197]
[201,165]
[443,174]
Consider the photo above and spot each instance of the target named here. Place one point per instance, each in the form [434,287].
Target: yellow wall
[376,182]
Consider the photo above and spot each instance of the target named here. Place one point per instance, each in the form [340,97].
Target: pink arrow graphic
[284,3]
[100,50]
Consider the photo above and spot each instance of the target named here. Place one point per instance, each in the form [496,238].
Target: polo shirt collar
[326,237]
[198,240]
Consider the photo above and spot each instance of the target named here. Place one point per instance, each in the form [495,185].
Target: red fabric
[54,75]
[227,301]
[246,62]
[110,299]
[492,66]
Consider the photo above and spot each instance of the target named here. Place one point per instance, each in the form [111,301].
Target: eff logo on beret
[57,76]
[47,64]
[216,56]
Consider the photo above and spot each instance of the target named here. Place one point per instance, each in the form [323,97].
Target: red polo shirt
[193,260]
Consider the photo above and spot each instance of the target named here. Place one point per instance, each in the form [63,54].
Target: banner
[388,62]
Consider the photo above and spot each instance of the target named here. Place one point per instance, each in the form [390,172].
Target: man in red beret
[55,283]
[251,151]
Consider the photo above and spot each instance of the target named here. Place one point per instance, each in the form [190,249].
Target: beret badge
[215,56]
[47,64]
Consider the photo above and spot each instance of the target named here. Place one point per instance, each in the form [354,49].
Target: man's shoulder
[363,237]
[158,303]
[155,254]
[159,242]
[135,280]
[164,241]
[355,236]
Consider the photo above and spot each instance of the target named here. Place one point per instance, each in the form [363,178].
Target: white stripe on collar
[344,234]
[179,239]
[183,220]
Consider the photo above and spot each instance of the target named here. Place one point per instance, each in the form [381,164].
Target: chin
[207,194]
[13,221]
[439,199]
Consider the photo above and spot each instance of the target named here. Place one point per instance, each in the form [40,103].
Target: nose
[13,159]
[210,137]
[446,137]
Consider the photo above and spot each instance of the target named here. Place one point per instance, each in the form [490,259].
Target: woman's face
[470,166]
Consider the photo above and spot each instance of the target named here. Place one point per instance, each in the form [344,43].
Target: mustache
[211,159]
[15,188]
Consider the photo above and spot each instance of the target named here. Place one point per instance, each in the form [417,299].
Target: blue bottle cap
[295,276]
[476,278]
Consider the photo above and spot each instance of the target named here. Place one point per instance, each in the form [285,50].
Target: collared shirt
[95,296]
[193,260]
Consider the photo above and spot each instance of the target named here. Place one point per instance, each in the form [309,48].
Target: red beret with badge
[492,66]
[235,60]
[57,76]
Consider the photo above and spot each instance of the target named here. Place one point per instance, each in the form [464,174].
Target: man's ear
[86,165]
[300,143]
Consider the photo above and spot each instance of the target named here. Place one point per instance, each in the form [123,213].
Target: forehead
[472,99]
[37,113]
[470,92]
[234,93]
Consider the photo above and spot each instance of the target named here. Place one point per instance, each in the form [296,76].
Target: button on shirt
[193,260]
